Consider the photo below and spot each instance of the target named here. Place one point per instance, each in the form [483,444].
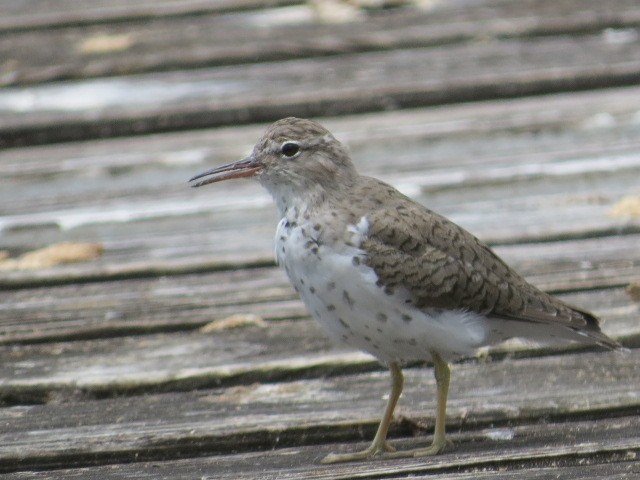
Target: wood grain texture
[115,363]
[553,167]
[566,465]
[104,369]
[39,14]
[113,306]
[358,83]
[243,418]
[98,42]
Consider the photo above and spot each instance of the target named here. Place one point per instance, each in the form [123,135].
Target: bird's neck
[309,201]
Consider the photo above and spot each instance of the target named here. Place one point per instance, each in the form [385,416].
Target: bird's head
[294,158]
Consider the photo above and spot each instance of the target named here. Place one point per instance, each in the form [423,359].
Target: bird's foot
[385,451]
[436,447]
[375,450]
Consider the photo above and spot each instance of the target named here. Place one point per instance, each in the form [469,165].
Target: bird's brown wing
[442,265]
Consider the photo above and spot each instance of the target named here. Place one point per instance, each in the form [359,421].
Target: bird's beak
[246,167]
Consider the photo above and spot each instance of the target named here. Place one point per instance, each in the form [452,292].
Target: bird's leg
[379,444]
[442,374]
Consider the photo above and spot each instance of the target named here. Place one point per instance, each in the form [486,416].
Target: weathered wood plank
[149,221]
[373,81]
[536,169]
[216,240]
[571,124]
[180,42]
[509,395]
[186,360]
[39,14]
[564,464]
[556,266]
[106,308]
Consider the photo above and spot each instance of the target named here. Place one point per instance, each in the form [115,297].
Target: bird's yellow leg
[379,445]
[442,374]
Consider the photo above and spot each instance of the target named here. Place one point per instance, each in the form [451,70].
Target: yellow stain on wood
[633,290]
[627,206]
[56,254]
[234,321]
[106,43]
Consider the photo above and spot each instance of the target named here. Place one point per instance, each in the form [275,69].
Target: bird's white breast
[340,290]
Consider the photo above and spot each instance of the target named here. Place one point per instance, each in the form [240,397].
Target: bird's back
[443,266]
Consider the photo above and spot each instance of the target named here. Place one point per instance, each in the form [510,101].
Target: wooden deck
[174,348]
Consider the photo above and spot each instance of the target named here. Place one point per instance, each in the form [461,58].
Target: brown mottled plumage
[385,274]
[444,266]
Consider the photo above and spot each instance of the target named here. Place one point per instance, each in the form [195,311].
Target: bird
[382,273]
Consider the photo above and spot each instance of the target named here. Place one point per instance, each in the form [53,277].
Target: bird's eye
[290,149]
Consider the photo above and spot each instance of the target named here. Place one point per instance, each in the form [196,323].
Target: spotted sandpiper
[384,274]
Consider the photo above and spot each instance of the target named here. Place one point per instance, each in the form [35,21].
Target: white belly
[341,293]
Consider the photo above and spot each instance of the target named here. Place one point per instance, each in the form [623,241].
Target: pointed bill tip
[246,167]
